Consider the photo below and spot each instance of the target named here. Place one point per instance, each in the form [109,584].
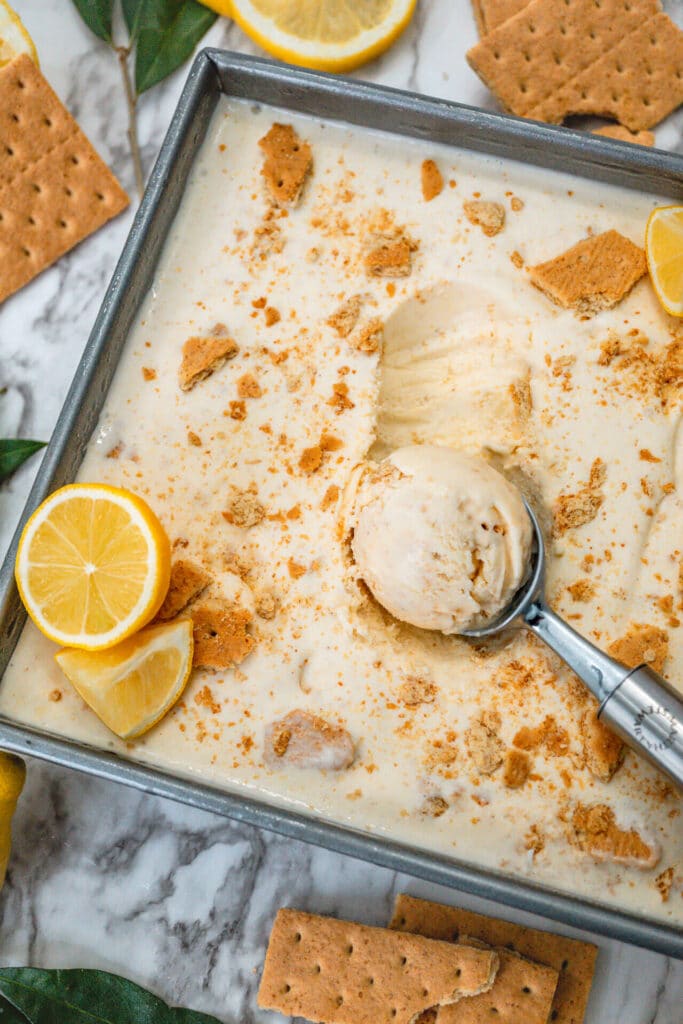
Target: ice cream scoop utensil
[638,704]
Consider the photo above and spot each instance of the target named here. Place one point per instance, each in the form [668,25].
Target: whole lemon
[12,777]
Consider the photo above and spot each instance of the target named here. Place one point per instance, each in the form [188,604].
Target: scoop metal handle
[638,704]
[641,707]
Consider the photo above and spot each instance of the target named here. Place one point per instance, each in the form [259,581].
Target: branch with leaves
[161,35]
[15,452]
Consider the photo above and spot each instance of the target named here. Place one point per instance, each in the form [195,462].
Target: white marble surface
[102,876]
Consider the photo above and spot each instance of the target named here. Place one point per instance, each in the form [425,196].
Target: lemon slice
[664,249]
[12,777]
[131,686]
[14,39]
[329,35]
[93,565]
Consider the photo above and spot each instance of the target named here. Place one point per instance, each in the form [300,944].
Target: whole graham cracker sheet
[573,960]
[618,58]
[345,973]
[54,188]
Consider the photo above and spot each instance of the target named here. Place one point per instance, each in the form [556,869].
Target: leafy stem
[123,53]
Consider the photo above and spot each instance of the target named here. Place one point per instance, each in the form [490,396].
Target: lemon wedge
[329,35]
[133,685]
[93,565]
[14,39]
[12,777]
[664,250]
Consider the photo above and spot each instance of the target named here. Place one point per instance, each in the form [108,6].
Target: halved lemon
[329,35]
[14,39]
[133,685]
[664,250]
[93,565]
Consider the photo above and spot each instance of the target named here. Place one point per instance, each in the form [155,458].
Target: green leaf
[13,453]
[10,1015]
[167,33]
[87,997]
[97,15]
[131,10]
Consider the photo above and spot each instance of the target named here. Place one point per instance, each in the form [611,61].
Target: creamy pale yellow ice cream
[441,538]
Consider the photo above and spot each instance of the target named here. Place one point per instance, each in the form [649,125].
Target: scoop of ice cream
[441,538]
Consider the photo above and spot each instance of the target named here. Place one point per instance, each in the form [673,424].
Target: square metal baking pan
[323,96]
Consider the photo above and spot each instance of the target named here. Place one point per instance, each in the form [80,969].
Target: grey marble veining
[101,876]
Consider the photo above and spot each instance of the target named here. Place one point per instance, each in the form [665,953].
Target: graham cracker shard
[641,644]
[391,256]
[581,507]
[202,356]
[54,188]
[574,960]
[345,318]
[344,973]
[221,636]
[484,745]
[303,740]
[523,991]
[188,581]
[613,59]
[594,274]
[595,830]
[603,751]
[490,217]
[432,180]
[287,163]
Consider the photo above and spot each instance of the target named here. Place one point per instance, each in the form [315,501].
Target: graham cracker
[221,637]
[287,163]
[522,992]
[338,972]
[489,14]
[303,740]
[187,582]
[617,131]
[202,356]
[594,274]
[54,188]
[603,751]
[390,256]
[637,82]
[490,217]
[574,960]
[595,830]
[528,58]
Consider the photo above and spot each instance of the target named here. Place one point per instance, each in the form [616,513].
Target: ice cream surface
[440,537]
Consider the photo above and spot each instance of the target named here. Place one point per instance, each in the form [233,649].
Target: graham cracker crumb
[303,740]
[490,217]
[641,644]
[582,590]
[202,356]
[115,452]
[517,768]
[55,696]
[244,510]
[573,510]
[549,735]
[391,256]
[416,690]
[340,400]
[311,459]
[205,698]
[149,373]
[221,637]
[272,316]
[237,410]
[188,581]
[520,392]
[664,881]
[594,274]
[369,337]
[287,163]
[330,497]
[603,751]
[645,455]
[295,569]
[516,204]
[483,743]
[346,316]
[434,807]
[266,605]
[194,439]
[534,840]
[594,830]
[330,442]
[517,259]
[432,180]
[248,386]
